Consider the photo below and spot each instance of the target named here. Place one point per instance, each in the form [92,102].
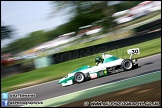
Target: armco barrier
[78,53]
[74,54]
[150,26]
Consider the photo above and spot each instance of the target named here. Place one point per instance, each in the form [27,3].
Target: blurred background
[33,31]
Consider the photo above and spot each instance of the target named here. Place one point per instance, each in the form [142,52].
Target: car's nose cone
[59,82]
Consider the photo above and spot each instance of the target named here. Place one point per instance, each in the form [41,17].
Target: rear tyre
[79,77]
[135,66]
[127,64]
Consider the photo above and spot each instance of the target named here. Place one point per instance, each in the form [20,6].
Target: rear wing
[133,51]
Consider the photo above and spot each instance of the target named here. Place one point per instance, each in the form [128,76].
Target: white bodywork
[92,71]
[70,82]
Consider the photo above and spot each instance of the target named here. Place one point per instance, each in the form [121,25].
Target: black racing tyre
[87,76]
[127,64]
[135,66]
[79,77]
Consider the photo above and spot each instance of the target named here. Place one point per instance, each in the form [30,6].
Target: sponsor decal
[94,75]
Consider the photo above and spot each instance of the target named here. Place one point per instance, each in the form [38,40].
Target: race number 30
[133,51]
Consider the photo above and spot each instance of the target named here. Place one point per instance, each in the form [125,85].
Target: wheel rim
[128,65]
[79,77]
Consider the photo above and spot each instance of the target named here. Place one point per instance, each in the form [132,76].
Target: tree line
[84,13]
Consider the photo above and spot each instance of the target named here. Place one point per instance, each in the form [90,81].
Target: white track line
[105,84]
[97,86]
[58,79]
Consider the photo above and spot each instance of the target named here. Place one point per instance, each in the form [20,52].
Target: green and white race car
[104,66]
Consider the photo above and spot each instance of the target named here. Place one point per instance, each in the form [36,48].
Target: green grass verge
[57,71]
[99,90]
[108,38]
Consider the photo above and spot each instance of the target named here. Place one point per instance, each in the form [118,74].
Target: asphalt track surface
[52,89]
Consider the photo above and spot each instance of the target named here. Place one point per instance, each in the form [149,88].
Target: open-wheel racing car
[106,65]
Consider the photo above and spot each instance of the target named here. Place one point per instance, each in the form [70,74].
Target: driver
[98,60]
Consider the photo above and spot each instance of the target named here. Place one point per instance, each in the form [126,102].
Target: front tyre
[127,64]
[79,77]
